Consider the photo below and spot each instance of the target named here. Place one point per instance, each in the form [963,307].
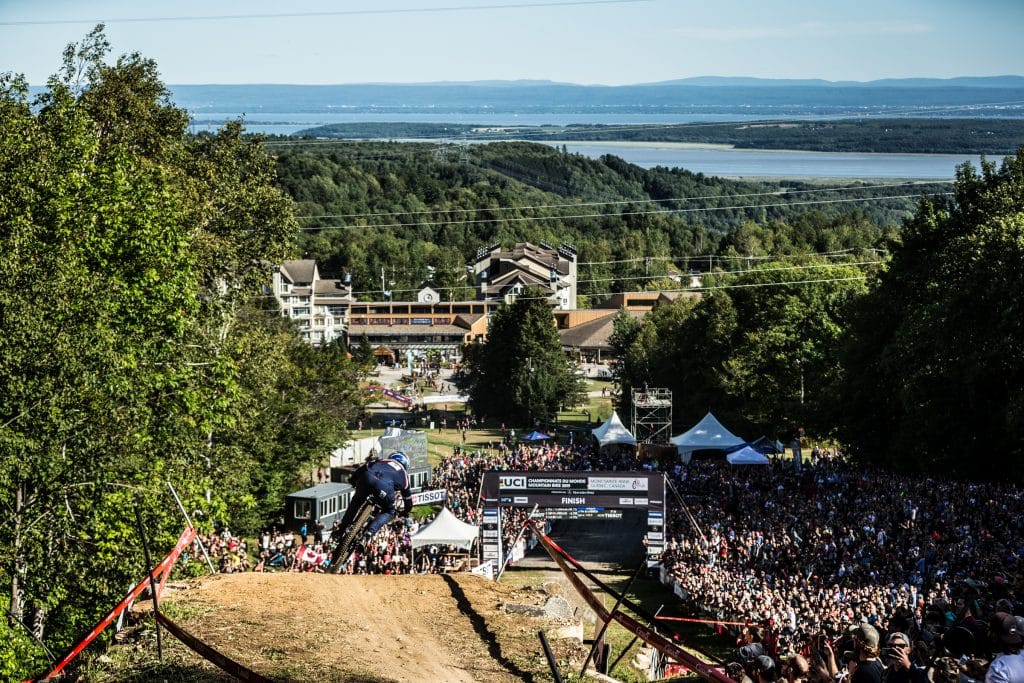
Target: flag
[307,554]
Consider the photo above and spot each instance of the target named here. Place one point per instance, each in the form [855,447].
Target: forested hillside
[402,207]
[912,362]
[873,135]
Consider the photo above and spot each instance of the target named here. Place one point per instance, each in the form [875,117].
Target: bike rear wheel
[345,546]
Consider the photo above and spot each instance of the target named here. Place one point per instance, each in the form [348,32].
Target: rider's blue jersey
[389,475]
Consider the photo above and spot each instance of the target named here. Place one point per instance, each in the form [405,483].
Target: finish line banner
[575,495]
[616,490]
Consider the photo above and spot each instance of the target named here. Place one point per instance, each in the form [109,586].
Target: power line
[738,272]
[640,278]
[846,188]
[518,219]
[707,288]
[726,257]
[337,13]
[695,258]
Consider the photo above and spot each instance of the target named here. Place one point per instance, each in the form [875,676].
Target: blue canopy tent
[766,446]
[535,436]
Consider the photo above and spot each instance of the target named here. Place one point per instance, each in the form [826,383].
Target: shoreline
[710,146]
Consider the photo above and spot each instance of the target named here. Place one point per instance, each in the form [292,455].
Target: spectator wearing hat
[898,666]
[1006,635]
[746,657]
[869,668]
[764,668]
[749,652]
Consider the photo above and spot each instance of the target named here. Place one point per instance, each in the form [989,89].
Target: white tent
[613,432]
[446,529]
[708,434]
[746,456]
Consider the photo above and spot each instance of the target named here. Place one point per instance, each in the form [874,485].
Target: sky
[610,42]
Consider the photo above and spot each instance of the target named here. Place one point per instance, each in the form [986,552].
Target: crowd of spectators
[390,552]
[801,555]
[808,554]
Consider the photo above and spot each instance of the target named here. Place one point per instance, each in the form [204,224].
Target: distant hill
[709,95]
[747,82]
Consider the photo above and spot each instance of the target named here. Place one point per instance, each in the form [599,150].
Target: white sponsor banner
[617,483]
[625,501]
[654,535]
[428,497]
[444,398]
[490,554]
[640,501]
[520,499]
[490,533]
[485,570]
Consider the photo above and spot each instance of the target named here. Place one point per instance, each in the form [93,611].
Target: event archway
[573,495]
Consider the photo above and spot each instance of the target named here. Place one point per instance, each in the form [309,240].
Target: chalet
[318,306]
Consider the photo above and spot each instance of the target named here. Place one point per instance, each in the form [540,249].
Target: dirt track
[319,627]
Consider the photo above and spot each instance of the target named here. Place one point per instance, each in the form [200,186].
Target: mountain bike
[345,539]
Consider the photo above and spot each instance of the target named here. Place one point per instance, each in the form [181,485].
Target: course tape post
[162,569]
[206,652]
[646,634]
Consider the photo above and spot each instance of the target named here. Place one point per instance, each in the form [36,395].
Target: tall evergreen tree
[520,374]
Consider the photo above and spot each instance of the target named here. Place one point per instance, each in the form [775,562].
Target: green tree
[132,353]
[933,368]
[748,350]
[363,354]
[789,319]
[520,374]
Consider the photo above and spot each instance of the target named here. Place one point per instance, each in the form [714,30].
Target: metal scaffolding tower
[652,415]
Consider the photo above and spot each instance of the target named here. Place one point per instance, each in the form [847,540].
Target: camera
[889,653]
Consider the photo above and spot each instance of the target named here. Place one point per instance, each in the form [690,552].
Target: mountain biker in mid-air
[378,481]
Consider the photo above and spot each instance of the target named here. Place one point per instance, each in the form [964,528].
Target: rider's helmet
[401,457]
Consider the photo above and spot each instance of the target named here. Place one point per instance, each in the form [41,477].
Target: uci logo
[518,482]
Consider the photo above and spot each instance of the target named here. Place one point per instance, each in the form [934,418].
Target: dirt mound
[320,627]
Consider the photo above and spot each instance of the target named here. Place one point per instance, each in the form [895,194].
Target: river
[712,160]
[758,163]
